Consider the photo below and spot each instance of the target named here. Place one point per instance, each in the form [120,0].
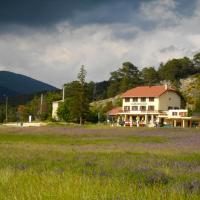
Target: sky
[50,39]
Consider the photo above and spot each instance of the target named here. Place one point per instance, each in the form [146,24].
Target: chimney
[166,86]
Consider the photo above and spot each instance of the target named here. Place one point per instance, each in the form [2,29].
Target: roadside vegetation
[99,163]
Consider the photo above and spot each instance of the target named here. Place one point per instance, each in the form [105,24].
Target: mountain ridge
[12,84]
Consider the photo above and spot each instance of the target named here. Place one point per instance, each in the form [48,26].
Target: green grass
[111,164]
[81,140]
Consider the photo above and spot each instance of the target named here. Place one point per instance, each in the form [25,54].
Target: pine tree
[83,103]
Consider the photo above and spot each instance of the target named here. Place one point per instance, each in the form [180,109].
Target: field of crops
[99,163]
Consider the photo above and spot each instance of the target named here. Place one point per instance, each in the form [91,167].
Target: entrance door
[161,122]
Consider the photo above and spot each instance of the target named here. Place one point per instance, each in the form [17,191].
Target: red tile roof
[147,91]
[114,111]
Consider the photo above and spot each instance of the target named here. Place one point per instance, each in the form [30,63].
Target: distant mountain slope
[16,84]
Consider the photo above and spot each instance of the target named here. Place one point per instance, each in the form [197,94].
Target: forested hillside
[12,84]
[128,75]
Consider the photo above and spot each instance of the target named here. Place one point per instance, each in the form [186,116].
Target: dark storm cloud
[38,12]
[45,12]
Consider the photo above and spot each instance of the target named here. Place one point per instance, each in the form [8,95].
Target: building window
[176,108]
[135,99]
[143,99]
[126,108]
[183,114]
[151,99]
[174,113]
[127,99]
[151,108]
[143,108]
[170,108]
[135,108]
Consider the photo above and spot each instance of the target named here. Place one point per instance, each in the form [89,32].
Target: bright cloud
[159,10]
[55,54]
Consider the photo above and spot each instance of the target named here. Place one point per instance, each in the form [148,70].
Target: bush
[157,177]
[193,186]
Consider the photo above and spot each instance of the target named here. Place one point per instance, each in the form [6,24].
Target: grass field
[99,163]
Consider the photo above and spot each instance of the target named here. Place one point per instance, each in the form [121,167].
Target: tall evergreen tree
[83,100]
[123,79]
[176,69]
[149,76]
[69,109]
[196,62]
[76,105]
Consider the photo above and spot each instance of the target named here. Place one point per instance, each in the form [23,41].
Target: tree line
[20,107]
[125,77]
[129,76]
[79,93]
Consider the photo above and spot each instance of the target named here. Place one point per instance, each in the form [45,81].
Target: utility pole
[63,96]
[41,104]
[6,109]
[94,92]
[98,118]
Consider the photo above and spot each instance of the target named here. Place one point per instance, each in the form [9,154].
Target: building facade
[55,106]
[152,106]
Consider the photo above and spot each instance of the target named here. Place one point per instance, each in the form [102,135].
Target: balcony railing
[142,111]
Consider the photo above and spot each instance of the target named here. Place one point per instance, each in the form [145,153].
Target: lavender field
[99,163]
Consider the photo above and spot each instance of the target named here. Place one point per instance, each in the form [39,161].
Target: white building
[55,105]
[151,105]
